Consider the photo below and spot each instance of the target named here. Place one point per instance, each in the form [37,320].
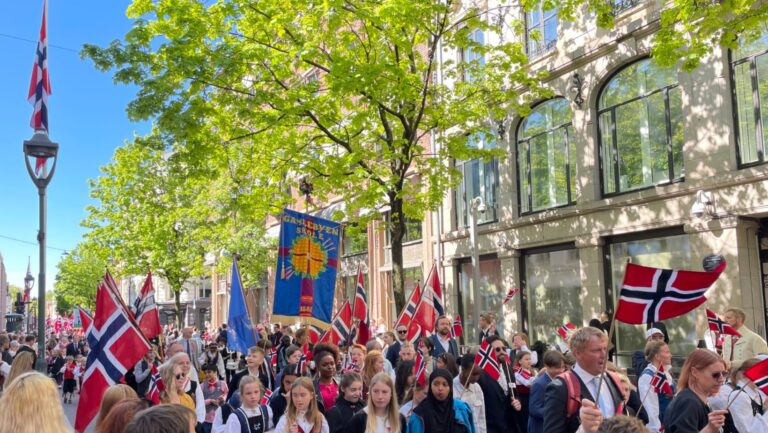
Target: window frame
[460,194]
[542,46]
[615,135]
[568,165]
[467,52]
[760,143]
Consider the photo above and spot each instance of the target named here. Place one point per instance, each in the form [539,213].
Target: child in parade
[70,382]
[524,376]
[415,395]
[214,394]
[252,414]
[302,415]
[348,403]
[440,412]
[381,414]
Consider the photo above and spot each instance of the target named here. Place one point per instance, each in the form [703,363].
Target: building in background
[5,295]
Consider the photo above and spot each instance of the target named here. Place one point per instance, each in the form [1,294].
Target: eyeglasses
[402,331]
[717,375]
[498,349]
[179,376]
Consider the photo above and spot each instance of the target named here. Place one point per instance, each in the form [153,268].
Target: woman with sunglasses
[701,377]
[175,380]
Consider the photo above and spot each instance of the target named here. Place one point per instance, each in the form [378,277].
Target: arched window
[750,86]
[641,128]
[547,176]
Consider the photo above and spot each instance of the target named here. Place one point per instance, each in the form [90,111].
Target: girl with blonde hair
[382,412]
[302,414]
[30,404]
[175,380]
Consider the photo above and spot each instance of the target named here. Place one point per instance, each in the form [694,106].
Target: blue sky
[86,117]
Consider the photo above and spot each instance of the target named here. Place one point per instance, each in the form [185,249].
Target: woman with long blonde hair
[382,412]
[22,363]
[175,380]
[374,364]
[302,414]
[30,404]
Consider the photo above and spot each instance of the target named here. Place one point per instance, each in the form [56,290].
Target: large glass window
[552,288]
[470,56]
[354,240]
[660,251]
[541,30]
[487,298]
[479,179]
[750,86]
[544,157]
[641,128]
[413,230]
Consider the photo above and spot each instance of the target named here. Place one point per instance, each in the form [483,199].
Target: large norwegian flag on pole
[360,312]
[85,318]
[341,326]
[145,310]
[716,324]
[405,316]
[116,345]
[40,84]
[651,295]
[433,287]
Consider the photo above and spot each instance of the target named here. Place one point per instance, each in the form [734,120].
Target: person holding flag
[655,399]
[487,327]
[748,345]
[468,391]
[497,392]
[442,340]
[744,401]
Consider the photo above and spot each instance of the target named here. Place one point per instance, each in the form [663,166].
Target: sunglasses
[719,374]
[498,349]
[179,376]
[402,331]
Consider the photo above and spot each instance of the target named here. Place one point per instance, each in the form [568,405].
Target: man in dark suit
[553,366]
[442,339]
[393,351]
[498,402]
[590,347]
[73,348]
[487,327]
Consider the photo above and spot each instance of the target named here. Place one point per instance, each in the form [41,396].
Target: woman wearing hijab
[440,412]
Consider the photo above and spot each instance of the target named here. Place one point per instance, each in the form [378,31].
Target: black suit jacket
[73,350]
[393,353]
[499,415]
[555,404]
[483,335]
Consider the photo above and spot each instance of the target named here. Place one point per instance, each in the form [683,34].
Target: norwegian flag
[660,383]
[341,326]
[314,334]
[349,366]
[156,386]
[564,330]
[651,295]
[414,332]
[457,330]
[116,344]
[429,306]
[405,316]
[40,84]
[717,325]
[145,310]
[420,370]
[758,374]
[525,374]
[85,318]
[273,358]
[434,288]
[267,395]
[360,311]
[487,361]
[511,294]
[303,363]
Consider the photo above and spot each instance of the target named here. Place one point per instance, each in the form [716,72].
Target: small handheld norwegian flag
[758,374]
[566,329]
[457,330]
[718,325]
[659,382]
[302,364]
[267,395]
[511,294]
[486,360]
[420,370]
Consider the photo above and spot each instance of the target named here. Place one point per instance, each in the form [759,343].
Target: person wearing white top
[659,357]
[745,401]
[302,414]
[251,411]
[471,394]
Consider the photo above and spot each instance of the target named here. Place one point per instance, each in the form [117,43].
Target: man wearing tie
[190,347]
[590,347]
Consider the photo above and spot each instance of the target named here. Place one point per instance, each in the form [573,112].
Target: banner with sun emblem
[306,269]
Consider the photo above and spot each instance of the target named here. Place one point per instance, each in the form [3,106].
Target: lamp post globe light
[41,149]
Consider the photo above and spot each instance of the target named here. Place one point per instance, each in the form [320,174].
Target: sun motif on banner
[308,257]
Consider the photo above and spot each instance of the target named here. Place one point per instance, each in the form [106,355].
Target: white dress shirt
[591,382]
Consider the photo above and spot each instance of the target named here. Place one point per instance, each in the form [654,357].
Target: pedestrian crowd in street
[286,384]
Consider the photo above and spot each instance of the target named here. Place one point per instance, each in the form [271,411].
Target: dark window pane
[745,113]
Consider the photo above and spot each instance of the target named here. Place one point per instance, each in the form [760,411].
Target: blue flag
[240,335]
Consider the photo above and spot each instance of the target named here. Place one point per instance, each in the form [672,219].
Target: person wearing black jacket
[347,404]
[279,400]
[382,404]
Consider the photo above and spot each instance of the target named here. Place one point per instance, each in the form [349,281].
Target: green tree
[78,274]
[343,93]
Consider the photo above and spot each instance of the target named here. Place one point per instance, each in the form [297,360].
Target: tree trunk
[397,233]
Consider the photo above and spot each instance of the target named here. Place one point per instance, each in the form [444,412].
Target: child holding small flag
[655,385]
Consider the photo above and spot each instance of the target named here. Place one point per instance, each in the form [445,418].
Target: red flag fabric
[564,330]
[265,399]
[511,294]
[156,386]
[457,330]
[116,345]
[414,332]
[660,383]
[758,374]
[341,326]
[717,325]
[426,313]
[525,374]
[85,318]
[360,312]
[314,334]
[146,311]
[651,295]
[410,308]
[420,370]
[434,288]
[486,360]
[40,84]
[303,363]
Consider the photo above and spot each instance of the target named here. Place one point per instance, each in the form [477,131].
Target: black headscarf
[439,416]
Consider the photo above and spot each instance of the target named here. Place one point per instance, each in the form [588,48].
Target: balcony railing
[538,48]
[620,6]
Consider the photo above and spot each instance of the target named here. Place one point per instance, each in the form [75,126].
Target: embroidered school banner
[306,269]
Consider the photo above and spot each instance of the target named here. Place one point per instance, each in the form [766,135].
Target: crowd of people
[286,384]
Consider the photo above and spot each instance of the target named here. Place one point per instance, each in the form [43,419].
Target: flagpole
[470,374]
[610,339]
[642,402]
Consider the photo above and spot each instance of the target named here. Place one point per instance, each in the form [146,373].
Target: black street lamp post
[41,148]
